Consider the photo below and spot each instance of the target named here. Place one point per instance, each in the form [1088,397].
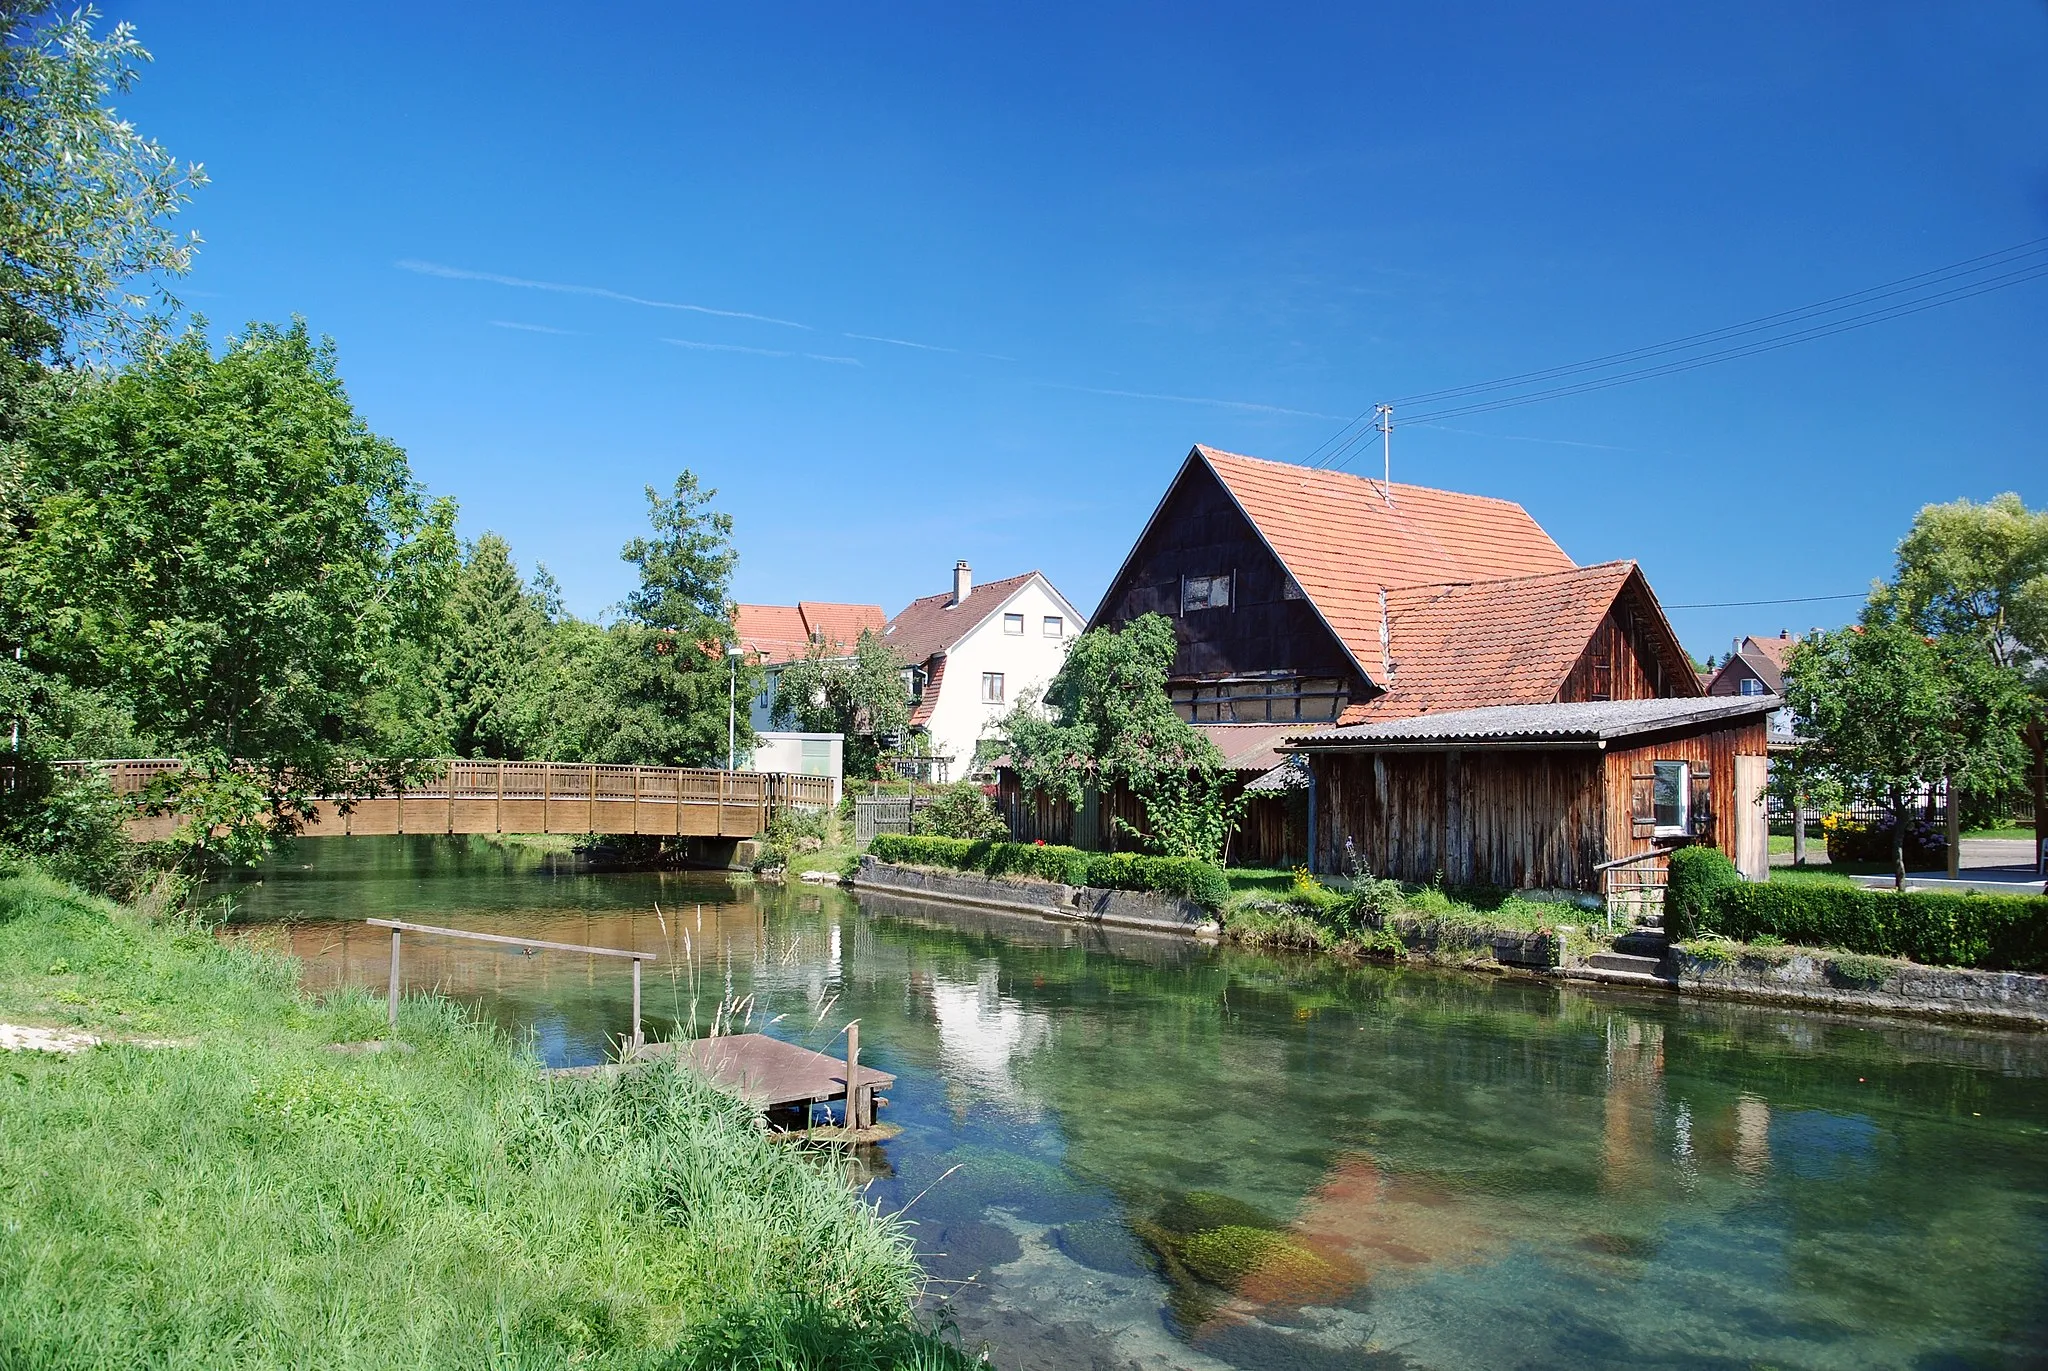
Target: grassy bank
[239,1194]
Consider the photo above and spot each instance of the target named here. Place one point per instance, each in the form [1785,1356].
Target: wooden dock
[770,1073]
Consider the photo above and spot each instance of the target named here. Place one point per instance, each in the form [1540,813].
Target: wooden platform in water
[767,1071]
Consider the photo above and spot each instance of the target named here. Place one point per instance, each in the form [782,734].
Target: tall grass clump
[219,1187]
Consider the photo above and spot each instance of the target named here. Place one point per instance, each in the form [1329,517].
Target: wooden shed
[1553,796]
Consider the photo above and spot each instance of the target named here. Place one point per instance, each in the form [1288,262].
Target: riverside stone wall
[1844,981]
[1080,903]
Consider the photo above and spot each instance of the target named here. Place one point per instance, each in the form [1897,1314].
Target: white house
[972,651]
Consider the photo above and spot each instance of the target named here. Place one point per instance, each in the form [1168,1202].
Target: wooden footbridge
[534,797]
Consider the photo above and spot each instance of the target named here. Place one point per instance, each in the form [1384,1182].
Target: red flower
[1039,843]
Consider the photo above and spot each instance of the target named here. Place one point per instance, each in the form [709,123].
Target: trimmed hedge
[1698,876]
[1182,877]
[1935,928]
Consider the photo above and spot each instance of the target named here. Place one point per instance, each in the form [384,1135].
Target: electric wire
[1953,280]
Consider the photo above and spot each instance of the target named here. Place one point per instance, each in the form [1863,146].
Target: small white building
[972,651]
[800,754]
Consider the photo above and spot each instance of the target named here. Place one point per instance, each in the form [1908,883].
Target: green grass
[1812,875]
[1267,909]
[1269,880]
[248,1198]
[2014,831]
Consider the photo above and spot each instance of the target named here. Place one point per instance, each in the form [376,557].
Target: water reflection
[1141,1151]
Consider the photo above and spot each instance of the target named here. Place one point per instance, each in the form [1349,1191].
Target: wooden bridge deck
[537,797]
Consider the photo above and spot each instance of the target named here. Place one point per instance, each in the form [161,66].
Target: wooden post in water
[853,1075]
[391,998]
[636,1005]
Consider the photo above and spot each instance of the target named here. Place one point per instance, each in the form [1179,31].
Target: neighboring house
[772,636]
[1756,666]
[775,635]
[971,652]
[1344,607]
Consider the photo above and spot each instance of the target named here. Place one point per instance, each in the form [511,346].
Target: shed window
[1752,686]
[817,757]
[1013,624]
[1205,592]
[991,687]
[1055,626]
[1673,798]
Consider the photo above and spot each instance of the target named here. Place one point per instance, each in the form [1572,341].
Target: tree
[86,201]
[1887,712]
[490,673]
[223,543]
[1980,572]
[861,696]
[1106,720]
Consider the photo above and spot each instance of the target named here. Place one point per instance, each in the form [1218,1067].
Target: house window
[991,687]
[1752,686]
[1014,624]
[1055,626]
[1205,592]
[1672,804]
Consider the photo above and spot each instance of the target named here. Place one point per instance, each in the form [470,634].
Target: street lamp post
[732,707]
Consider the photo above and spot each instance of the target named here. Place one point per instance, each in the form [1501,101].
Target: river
[1128,1151]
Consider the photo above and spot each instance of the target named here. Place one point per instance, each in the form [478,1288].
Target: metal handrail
[399,926]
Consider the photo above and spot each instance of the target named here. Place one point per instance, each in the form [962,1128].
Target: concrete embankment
[1047,899]
[1835,980]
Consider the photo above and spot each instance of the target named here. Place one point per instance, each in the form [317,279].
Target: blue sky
[911,283]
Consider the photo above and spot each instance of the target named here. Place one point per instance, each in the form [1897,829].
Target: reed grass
[248,1197]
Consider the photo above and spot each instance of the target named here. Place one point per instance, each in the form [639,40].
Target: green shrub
[1854,971]
[1992,932]
[1178,876]
[961,811]
[1698,875]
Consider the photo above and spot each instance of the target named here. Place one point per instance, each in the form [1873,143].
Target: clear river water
[1131,1151]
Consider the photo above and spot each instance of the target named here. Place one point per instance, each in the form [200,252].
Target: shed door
[1752,831]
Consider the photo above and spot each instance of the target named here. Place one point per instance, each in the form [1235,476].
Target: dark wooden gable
[1269,629]
[1632,655]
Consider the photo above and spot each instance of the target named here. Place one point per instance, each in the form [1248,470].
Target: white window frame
[1752,686]
[1683,828]
[1018,620]
[991,687]
[1053,626]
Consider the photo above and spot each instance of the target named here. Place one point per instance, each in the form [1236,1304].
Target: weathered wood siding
[1509,819]
[1200,531]
[1712,751]
[1622,660]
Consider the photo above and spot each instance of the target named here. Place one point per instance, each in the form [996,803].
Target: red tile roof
[1341,538]
[929,701]
[1468,645]
[935,623]
[784,633]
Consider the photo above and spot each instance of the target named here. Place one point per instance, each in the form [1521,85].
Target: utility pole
[1386,414]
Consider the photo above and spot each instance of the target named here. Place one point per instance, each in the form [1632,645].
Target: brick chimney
[963,582]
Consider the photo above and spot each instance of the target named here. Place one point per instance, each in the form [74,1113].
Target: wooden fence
[534,797]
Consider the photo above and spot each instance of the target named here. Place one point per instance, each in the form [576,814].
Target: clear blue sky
[1064,214]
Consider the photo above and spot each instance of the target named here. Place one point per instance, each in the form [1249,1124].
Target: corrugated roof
[1591,721]
[1341,537]
[1505,642]
[935,623]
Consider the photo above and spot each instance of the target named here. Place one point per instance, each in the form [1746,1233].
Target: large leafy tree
[1980,572]
[222,542]
[1105,720]
[861,696]
[86,201]
[1887,711]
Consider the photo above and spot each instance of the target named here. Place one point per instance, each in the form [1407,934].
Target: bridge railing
[463,796]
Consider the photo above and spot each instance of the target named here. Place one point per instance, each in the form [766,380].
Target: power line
[1948,284]
[1919,281]
[1794,600]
